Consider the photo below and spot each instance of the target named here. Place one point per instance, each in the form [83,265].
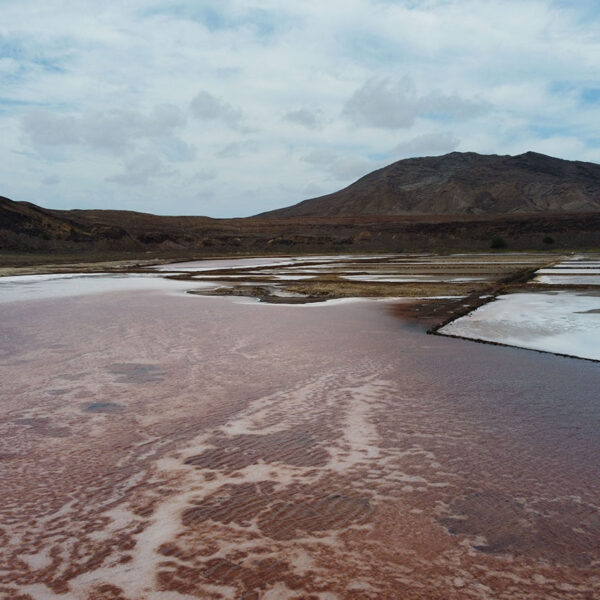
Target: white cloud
[208,107]
[236,149]
[305,117]
[45,128]
[394,104]
[320,157]
[384,103]
[205,195]
[114,130]
[204,175]
[140,169]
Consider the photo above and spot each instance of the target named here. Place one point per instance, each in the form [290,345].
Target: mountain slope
[26,226]
[457,201]
[463,183]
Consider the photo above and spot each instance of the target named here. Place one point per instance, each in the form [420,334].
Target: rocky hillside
[452,202]
[463,184]
[26,226]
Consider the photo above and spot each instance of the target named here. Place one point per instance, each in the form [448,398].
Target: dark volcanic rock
[463,183]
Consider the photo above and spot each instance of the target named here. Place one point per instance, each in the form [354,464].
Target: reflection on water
[163,446]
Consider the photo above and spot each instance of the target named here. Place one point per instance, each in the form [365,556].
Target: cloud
[140,169]
[175,149]
[438,105]
[211,108]
[338,166]
[383,103]
[204,175]
[349,169]
[47,129]
[304,117]
[313,190]
[427,144]
[115,131]
[224,16]
[394,104]
[319,157]
[205,195]
[236,149]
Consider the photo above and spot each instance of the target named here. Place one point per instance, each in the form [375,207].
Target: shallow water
[171,446]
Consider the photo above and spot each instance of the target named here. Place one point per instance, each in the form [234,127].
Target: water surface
[172,446]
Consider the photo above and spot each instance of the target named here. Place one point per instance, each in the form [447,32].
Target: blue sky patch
[590,95]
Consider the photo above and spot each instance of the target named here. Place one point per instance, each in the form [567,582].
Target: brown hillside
[457,201]
[463,183]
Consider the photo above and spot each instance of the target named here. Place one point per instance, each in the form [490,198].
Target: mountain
[27,226]
[462,183]
[452,202]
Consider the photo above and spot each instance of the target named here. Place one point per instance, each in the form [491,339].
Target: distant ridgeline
[452,202]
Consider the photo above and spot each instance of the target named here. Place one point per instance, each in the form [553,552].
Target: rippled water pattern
[176,447]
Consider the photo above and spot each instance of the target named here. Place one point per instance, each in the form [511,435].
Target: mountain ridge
[462,183]
[524,199]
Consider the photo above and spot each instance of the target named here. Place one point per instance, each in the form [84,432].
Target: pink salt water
[161,446]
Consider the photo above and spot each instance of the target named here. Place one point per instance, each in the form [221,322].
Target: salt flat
[67,285]
[160,445]
[561,322]
[567,279]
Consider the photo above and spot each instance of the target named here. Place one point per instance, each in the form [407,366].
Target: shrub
[498,243]
[548,240]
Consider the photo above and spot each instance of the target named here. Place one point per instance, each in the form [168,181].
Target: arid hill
[453,202]
[462,184]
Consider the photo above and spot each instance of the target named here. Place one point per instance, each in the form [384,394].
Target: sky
[233,107]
